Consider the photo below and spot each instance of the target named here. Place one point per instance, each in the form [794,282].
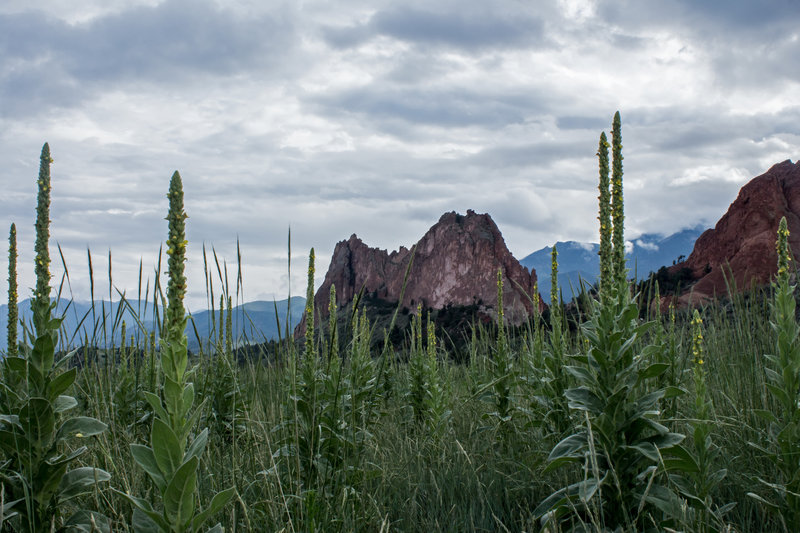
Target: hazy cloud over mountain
[375,117]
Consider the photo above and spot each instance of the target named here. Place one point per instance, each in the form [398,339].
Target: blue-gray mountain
[580,261]
[252,322]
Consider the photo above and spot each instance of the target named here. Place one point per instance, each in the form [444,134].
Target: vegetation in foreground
[680,421]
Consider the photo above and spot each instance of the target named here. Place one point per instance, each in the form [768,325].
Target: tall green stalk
[783,382]
[41,296]
[309,346]
[606,264]
[36,435]
[171,461]
[617,437]
[13,315]
[617,207]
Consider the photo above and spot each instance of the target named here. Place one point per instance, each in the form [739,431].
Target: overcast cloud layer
[375,117]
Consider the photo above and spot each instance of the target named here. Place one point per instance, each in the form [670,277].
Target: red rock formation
[744,238]
[455,263]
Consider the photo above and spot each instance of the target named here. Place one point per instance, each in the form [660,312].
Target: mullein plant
[503,372]
[697,475]
[306,409]
[783,382]
[227,408]
[438,396]
[173,456]
[38,439]
[556,379]
[417,371]
[604,217]
[13,315]
[617,438]
[617,205]
[546,374]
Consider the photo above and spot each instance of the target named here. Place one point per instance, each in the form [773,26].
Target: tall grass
[615,425]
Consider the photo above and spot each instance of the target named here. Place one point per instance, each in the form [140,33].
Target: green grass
[324,433]
[467,477]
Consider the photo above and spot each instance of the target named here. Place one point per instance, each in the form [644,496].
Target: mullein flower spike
[310,306]
[604,217]
[782,245]
[176,250]
[618,208]
[41,295]
[555,300]
[12,292]
[697,338]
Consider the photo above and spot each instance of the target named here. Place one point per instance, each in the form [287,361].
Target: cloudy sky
[375,117]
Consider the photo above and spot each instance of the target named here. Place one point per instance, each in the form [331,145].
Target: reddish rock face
[455,263]
[743,241]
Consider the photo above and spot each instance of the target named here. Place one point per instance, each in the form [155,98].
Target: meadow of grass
[622,418]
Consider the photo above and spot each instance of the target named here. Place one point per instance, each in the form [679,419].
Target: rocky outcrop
[741,246]
[454,264]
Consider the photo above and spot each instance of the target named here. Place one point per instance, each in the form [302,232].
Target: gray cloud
[449,107]
[48,61]
[460,28]
[374,119]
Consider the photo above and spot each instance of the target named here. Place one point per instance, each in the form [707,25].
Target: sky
[375,117]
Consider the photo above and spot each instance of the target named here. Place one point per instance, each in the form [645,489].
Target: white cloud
[374,118]
[649,246]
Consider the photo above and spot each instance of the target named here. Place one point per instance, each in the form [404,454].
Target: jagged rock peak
[455,263]
[744,238]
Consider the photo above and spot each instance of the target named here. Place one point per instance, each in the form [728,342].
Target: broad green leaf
[87,522]
[216,528]
[43,353]
[173,395]
[80,481]
[155,403]
[188,397]
[666,500]
[66,358]
[166,448]
[11,420]
[645,449]
[654,370]
[38,422]
[715,477]
[142,523]
[190,421]
[673,392]
[586,489]
[583,374]
[65,459]
[198,445]
[144,457]
[144,506]
[48,479]
[12,441]
[677,458]
[568,450]
[761,500]
[583,399]
[17,364]
[64,403]
[219,501]
[80,427]
[61,383]
[179,496]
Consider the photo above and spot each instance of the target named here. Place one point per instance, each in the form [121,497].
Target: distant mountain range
[580,261]
[253,322]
